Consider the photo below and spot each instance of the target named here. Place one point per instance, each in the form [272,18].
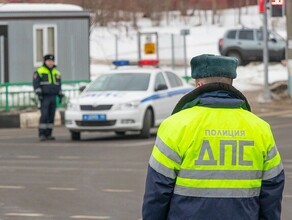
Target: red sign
[261,6]
[277,2]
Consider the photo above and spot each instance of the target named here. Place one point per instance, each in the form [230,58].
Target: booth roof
[21,7]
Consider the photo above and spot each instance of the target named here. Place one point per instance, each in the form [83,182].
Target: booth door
[3,53]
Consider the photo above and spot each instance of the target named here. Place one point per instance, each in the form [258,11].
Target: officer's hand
[61,97]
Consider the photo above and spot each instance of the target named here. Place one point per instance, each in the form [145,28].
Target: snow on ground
[202,39]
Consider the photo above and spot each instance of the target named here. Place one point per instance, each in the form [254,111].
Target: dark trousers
[48,109]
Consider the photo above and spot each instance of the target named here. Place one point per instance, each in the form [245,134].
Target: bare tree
[239,11]
[97,11]
[120,12]
[214,10]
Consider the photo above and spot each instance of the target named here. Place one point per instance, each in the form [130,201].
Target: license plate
[100,117]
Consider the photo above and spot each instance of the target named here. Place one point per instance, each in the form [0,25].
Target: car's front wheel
[75,136]
[236,55]
[147,121]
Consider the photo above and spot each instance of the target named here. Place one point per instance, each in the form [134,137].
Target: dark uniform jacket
[47,81]
[162,203]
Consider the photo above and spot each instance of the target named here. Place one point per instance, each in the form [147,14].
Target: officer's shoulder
[179,117]
[56,69]
[38,68]
[254,118]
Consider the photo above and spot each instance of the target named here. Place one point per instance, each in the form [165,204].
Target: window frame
[156,79]
[231,34]
[44,28]
[172,76]
[246,31]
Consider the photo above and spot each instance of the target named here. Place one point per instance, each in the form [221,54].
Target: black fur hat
[49,57]
[208,65]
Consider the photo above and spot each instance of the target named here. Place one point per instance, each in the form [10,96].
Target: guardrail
[21,95]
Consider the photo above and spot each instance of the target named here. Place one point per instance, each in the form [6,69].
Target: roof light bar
[153,62]
[121,62]
[149,62]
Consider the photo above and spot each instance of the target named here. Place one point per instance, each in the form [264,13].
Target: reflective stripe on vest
[217,192]
[46,126]
[215,152]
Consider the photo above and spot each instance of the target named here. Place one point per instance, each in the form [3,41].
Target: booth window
[44,42]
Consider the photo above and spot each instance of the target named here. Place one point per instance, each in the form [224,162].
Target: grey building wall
[20,50]
[72,48]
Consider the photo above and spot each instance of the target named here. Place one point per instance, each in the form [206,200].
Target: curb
[9,121]
[27,119]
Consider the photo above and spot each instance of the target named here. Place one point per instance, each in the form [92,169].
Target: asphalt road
[100,177]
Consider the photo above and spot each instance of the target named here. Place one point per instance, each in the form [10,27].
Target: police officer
[213,158]
[47,86]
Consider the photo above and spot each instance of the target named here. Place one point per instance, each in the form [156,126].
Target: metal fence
[170,49]
[21,95]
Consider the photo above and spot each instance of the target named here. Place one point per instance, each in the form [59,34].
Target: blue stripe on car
[166,94]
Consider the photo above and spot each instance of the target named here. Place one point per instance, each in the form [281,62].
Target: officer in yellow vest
[213,158]
[47,86]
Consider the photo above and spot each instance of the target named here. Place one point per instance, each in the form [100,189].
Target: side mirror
[161,87]
[81,88]
[274,40]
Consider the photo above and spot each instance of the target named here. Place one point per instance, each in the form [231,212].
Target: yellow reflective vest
[216,152]
[47,81]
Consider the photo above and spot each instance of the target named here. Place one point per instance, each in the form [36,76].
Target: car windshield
[271,35]
[274,35]
[121,82]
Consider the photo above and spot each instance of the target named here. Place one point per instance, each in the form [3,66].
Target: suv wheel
[236,55]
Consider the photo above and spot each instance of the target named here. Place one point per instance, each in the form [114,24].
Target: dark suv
[247,45]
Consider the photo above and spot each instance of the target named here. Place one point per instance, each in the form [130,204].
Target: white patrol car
[125,100]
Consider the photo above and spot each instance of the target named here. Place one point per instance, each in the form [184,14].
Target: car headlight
[72,107]
[128,105]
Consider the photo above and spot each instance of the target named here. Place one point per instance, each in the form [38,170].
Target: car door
[276,46]
[250,47]
[260,44]
[176,90]
[162,101]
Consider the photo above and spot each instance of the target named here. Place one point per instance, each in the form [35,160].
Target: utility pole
[266,92]
[184,33]
[289,46]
